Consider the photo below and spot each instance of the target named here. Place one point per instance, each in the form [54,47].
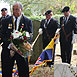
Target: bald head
[17,9]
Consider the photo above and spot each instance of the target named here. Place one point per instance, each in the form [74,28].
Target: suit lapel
[69,19]
[46,24]
[50,20]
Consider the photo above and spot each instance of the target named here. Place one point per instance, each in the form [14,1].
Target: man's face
[17,10]
[66,13]
[4,13]
[48,16]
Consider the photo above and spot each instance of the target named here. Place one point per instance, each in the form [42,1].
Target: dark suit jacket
[49,31]
[6,31]
[1,20]
[69,27]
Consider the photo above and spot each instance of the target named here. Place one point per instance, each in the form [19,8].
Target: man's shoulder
[61,17]
[7,19]
[26,18]
[0,18]
[8,15]
[43,20]
[72,17]
[54,19]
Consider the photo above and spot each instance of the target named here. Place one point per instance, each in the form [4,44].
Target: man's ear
[69,11]
[6,11]
[21,9]
[51,13]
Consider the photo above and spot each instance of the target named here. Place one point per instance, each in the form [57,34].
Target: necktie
[46,23]
[65,20]
[15,23]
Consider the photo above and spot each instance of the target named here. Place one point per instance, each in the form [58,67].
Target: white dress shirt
[66,18]
[18,21]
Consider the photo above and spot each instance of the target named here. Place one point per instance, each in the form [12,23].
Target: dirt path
[58,58]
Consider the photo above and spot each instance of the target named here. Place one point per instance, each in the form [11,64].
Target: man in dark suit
[49,27]
[8,26]
[68,26]
[4,14]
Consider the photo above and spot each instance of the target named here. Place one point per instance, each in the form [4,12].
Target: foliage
[39,18]
[38,7]
[36,17]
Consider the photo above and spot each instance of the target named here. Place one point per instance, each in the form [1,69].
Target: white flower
[16,34]
[27,34]
[20,34]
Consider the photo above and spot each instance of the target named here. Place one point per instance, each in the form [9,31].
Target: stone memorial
[65,70]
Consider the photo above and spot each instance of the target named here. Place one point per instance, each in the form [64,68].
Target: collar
[17,18]
[48,20]
[3,16]
[67,17]
[18,21]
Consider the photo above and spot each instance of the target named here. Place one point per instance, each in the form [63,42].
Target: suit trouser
[66,50]
[7,64]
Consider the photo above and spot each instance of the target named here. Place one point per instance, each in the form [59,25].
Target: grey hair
[18,4]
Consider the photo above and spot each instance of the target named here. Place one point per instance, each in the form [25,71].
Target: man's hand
[12,47]
[12,53]
[57,30]
[40,31]
[74,38]
[0,38]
